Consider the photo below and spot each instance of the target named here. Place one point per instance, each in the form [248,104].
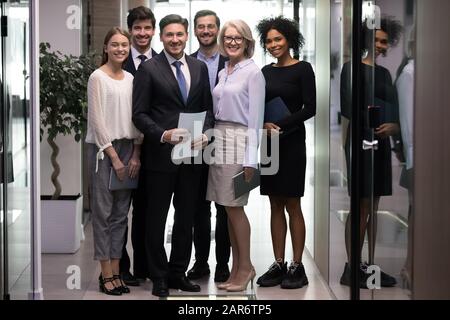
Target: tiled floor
[55,278]
[391,243]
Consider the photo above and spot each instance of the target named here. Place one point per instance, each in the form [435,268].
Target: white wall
[55,23]
[56,28]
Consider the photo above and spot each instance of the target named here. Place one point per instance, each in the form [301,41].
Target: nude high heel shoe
[243,286]
[223,285]
[226,284]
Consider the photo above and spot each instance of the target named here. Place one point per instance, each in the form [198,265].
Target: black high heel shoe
[123,288]
[112,292]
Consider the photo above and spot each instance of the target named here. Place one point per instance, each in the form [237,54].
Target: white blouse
[110,110]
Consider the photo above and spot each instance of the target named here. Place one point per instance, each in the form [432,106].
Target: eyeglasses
[229,40]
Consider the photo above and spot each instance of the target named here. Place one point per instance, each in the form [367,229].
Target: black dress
[378,90]
[296,86]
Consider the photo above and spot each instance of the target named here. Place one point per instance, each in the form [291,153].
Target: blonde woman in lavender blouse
[238,101]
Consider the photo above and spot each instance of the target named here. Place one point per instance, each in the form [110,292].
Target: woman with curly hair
[378,91]
[294,82]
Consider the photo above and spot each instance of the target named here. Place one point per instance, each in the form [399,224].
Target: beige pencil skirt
[230,140]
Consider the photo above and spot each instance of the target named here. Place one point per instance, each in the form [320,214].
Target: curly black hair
[287,27]
[388,24]
[393,28]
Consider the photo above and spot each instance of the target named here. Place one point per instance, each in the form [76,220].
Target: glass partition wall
[15,152]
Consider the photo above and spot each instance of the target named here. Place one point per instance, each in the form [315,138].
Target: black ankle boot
[295,277]
[363,276]
[273,276]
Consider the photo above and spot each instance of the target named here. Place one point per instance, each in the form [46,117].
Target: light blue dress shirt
[213,66]
[239,97]
[184,68]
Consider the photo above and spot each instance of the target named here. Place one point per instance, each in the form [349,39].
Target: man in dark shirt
[141,25]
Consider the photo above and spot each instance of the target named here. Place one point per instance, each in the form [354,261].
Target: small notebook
[125,184]
[242,187]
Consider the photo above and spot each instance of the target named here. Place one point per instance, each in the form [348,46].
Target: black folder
[242,187]
[275,110]
[125,184]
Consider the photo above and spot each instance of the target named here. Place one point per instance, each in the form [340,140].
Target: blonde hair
[244,30]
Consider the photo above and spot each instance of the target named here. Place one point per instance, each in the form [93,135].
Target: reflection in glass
[405,89]
[380,93]
[17,152]
[341,48]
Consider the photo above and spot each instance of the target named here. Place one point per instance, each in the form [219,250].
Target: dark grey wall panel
[432,152]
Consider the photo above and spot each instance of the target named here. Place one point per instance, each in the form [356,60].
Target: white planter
[61,227]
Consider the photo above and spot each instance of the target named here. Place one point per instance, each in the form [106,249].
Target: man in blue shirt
[206,29]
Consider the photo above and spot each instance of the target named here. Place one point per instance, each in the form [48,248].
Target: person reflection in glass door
[405,89]
[379,90]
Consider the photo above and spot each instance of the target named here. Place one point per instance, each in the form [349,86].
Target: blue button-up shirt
[213,66]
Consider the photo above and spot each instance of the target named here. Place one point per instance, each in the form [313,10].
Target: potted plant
[63,104]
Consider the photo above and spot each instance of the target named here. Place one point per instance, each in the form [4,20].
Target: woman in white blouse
[238,101]
[111,131]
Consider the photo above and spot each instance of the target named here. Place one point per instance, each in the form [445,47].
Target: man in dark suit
[141,25]
[165,86]
[206,28]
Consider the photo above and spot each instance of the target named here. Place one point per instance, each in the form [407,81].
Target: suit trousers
[109,209]
[202,227]
[183,185]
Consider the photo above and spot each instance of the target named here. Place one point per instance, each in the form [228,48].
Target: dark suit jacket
[129,64]
[157,103]
[222,60]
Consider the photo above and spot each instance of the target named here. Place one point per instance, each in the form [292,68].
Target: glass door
[368,233]
[352,147]
[390,250]
[3,230]
[15,196]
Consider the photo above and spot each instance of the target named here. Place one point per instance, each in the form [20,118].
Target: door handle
[370,145]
